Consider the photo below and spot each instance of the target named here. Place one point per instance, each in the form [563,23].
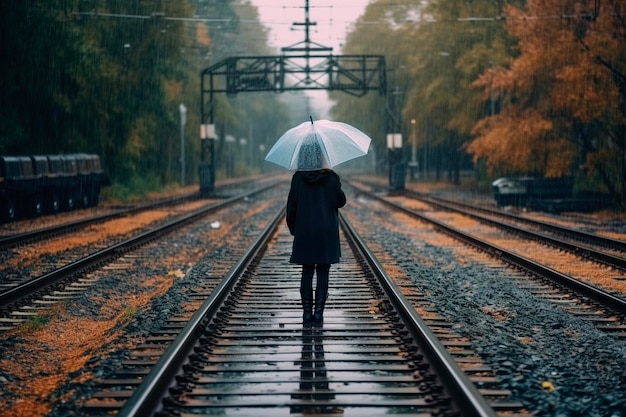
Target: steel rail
[37,284]
[578,249]
[465,394]
[146,399]
[555,228]
[34,235]
[609,300]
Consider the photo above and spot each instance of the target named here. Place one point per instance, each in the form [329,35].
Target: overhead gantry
[305,65]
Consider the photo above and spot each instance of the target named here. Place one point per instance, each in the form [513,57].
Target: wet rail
[592,244]
[575,241]
[605,309]
[555,229]
[247,352]
[13,297]
[27,237]
[24,238]
[611,252]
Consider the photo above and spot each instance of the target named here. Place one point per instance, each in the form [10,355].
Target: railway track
[611,252]
[246,351]
[252,356]
[11,240]
[21,300]
[592,246]
[607,310]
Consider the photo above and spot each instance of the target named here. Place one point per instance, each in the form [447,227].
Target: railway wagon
[36,184]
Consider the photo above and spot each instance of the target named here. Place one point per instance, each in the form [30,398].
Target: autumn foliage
[522,87]
[563,95]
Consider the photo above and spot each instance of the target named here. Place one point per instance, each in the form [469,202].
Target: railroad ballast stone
[162,308]
[537,345]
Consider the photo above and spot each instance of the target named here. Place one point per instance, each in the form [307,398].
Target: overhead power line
[161,16]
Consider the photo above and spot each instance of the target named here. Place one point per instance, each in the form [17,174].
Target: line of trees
[534,87]
[108,77]
[522,87]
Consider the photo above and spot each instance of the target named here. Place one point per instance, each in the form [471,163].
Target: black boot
[320,302]
[321,292]
[306,292]
[307,304]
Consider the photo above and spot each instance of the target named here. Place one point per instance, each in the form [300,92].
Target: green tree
[458,40]
[108,77]
[373,113]
[259,118]
[39,80]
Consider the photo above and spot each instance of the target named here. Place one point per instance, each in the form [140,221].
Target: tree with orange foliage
[451,46]
[563,97]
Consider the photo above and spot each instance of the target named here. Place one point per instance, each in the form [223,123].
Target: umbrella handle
[311,117]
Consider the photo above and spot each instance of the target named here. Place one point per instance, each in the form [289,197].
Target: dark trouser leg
[306,291]
[321,291]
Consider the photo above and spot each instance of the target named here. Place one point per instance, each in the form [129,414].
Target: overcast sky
[333,17]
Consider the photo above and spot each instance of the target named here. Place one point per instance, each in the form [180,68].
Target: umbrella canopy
[316,145]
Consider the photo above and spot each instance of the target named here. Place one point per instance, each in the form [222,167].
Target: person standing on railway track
[313,206]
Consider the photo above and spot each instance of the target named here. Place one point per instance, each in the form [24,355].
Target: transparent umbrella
[317,145]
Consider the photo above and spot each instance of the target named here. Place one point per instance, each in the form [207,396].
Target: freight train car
[36,184]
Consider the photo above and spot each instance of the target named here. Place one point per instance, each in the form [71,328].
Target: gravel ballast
[555,363]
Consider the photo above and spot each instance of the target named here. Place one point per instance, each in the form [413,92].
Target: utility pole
[183,120]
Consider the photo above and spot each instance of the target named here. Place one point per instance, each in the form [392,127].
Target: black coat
[312,216]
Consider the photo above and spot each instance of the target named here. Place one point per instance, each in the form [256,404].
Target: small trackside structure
[552,195]
[36,184]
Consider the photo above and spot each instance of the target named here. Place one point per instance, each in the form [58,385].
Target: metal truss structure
[353,74]
[303,66]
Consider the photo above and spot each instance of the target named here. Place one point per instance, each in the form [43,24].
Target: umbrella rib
[325,151]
